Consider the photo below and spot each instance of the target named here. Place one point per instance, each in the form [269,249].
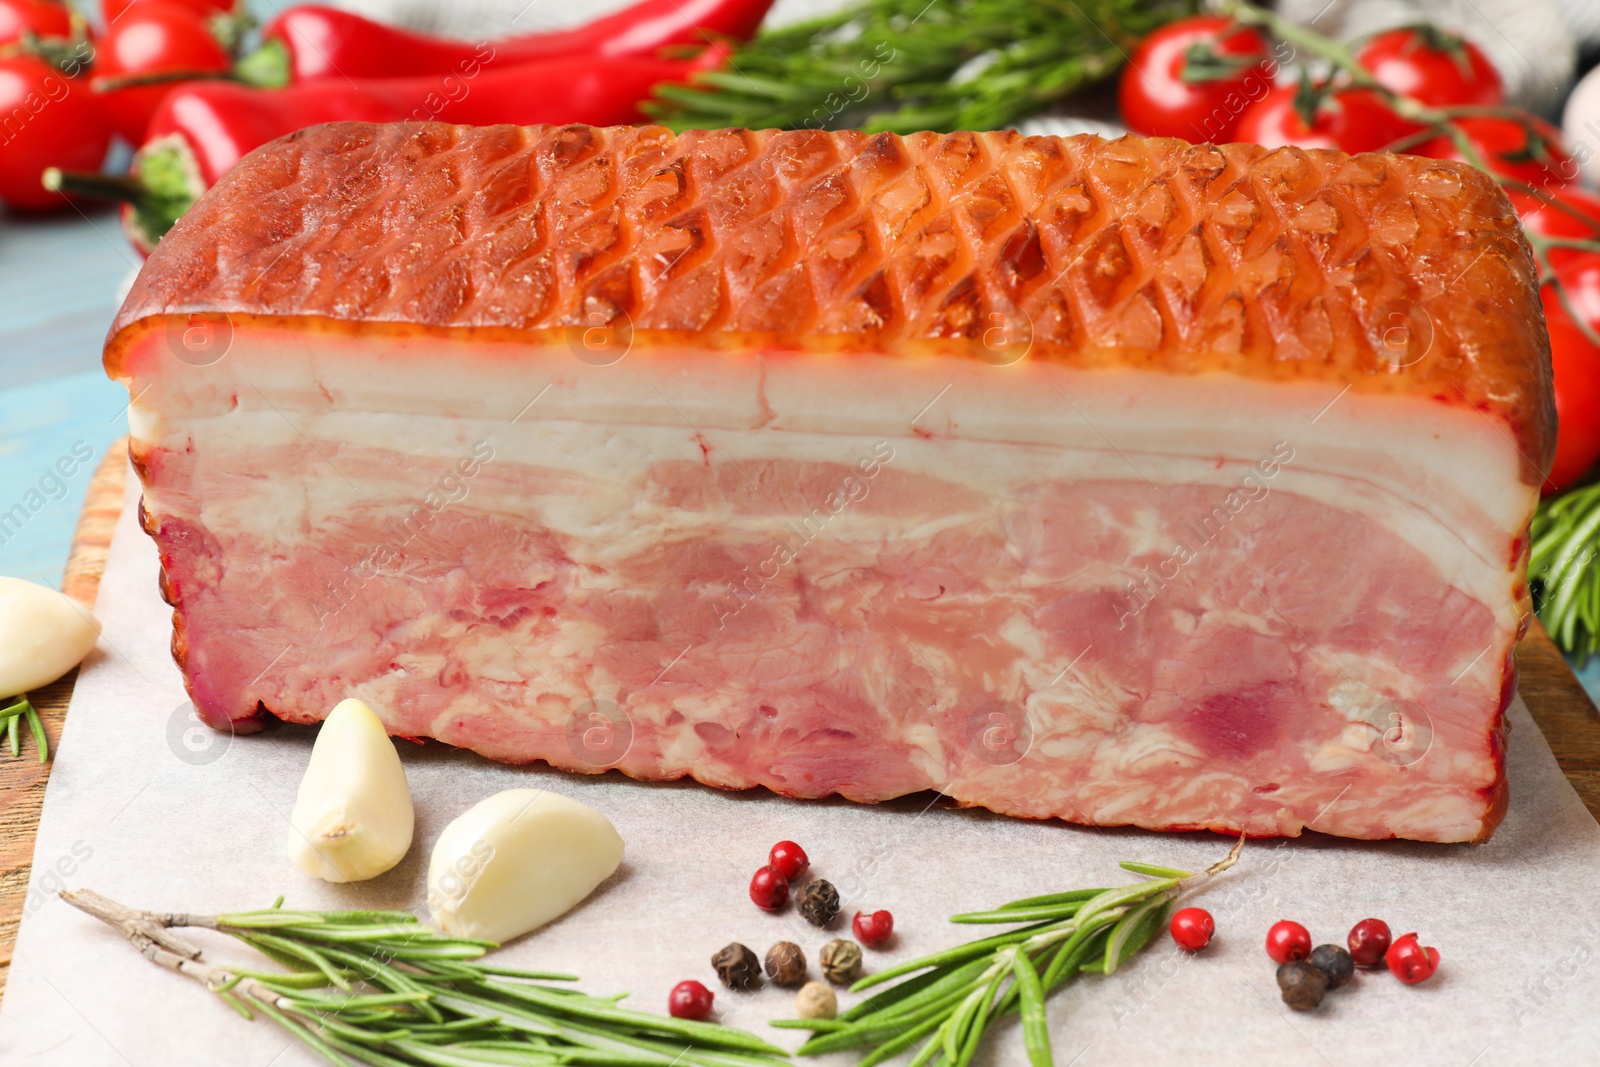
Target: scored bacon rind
[1381,272]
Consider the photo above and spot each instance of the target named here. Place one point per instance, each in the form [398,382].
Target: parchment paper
[147,808]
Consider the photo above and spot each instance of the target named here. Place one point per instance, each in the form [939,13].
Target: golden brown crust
[1386,273]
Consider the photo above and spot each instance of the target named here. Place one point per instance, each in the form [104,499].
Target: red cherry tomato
[1356,120]
[873,930]
[151,39]
[789,858]
[1434,67]
[769,889]
[1193,78]
[42,18]
[690,1000]
[1288,941]
[1528,149]
[1568,212]
[1575,363]
[111,10]
[52,121]
[1369,940]
[1364,122]
[1192,928]
[1273,121]
[1409,961]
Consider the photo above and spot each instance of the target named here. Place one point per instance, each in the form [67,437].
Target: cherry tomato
[1369,940]
[111,10]
[1575,363]
[1434,67]
[42,18]
[1356,120]
[1527,148]
[1409,961]
[1192,928]
[149,39]
[52,121]
[769,889]
[690,1000]
[1288,941]
[1193,78]
[1568,212]
[873,929]
[789,858]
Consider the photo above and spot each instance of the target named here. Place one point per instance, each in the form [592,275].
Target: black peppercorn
[786,964]
[818,901]
[738,967]
[1335,964]
[1302,984]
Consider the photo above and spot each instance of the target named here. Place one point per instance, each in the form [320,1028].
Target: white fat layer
[1444,479]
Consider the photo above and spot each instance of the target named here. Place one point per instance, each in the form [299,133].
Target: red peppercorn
[1192,928]
[789,858]
[689,1000]
[1288,941]
[1409,961]
[873,930]
[769,889]
[1369,939]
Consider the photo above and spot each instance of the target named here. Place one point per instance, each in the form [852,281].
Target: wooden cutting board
[1552,692]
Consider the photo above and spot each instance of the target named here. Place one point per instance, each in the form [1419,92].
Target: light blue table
[59,284]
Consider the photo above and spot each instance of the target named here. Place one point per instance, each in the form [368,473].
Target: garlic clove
[517,860]
[43,635]
[353,818]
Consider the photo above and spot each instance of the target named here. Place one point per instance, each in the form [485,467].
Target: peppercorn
[738,967]
[818,901]
[816,1001]
[786,964]
[1302,984]
[1334,962]
[840,960]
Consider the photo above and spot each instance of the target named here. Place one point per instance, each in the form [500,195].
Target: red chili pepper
[312,42]
[204,128]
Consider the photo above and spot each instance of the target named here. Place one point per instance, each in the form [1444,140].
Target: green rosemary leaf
[13,734]
[1020,915]
[1153,871]
[1051,899]
[1133,931]
[980,1022]
[39,739]
[1035,1029]
[305,1034]
[531,976]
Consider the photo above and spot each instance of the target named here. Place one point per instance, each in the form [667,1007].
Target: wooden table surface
[1554,696]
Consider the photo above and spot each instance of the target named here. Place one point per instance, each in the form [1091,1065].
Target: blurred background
[1508,85]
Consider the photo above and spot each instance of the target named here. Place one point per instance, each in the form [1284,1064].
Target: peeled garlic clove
[517,860]
[353,819]
[43,635]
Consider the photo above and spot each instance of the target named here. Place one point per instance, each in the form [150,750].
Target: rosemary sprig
[12,718]
[380,988]
[907,65]
[1563,570]
[952,996]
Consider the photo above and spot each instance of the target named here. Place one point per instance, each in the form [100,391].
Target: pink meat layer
[1235,660]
